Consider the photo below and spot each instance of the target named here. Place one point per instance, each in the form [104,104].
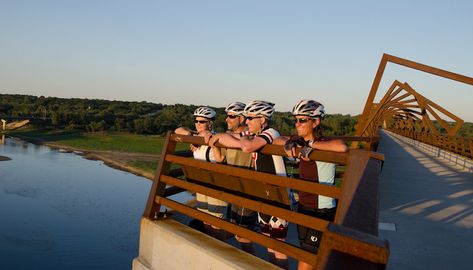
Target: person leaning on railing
[204,117]
[258,113]
[308,114]
[236,124]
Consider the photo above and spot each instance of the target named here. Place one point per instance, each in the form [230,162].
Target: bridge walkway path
[426,209]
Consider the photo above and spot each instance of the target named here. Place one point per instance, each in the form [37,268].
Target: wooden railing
[351,239]
[458,145]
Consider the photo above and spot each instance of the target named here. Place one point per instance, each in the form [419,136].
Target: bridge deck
[426,209]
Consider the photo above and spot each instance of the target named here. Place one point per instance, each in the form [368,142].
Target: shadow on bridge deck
[430,204]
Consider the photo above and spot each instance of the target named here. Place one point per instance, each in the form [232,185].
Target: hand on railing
[291,145]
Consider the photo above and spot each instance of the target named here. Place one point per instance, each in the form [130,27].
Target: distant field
[123,142]
[146,166]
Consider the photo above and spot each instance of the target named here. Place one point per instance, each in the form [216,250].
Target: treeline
[466,130]
[92,115]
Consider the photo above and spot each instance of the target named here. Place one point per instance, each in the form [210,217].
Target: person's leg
[278,258]
[219,233]
[217,208]
[305,245]
[309,239]
[202,205]
[197,225]
[303,235]
[275,257]
[304,266]
[201,202]
[246,218]
[246,245]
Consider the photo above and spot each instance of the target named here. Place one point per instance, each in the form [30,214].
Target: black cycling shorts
[248,221]
[309,238]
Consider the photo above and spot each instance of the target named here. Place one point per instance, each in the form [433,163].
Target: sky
[215,52]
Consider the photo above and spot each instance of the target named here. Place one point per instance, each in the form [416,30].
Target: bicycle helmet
[205,112]
[259,108]
[310,108]
[235,108]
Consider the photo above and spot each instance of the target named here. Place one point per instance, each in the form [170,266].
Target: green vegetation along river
[138,154]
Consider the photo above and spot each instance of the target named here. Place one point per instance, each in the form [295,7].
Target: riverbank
[136,163]
[137,154]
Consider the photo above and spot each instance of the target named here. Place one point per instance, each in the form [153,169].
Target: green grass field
[146,166]
[123,142]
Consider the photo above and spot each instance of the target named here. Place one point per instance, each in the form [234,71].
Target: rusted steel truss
[403,108]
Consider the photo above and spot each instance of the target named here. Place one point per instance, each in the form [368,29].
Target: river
[61,211]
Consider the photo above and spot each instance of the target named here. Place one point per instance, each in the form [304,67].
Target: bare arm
[281,140]
[217,151]
[330,145]
[232,141]
[183,131]
[226,139]
[325,145]
[187,132]
[251,145]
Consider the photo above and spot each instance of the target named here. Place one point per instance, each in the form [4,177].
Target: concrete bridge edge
[168,244]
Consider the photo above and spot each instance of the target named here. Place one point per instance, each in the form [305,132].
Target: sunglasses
[232,116]
[201,121]
[301,120]
[252,117]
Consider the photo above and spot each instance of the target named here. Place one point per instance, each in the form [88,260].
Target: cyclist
[203,118]
[258,114]
[308,115]
[235,157]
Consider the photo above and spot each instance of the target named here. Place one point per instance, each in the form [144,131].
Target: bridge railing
[361,142]
[458,145]
[350,239]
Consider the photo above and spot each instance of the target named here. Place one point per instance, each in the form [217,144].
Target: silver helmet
[235,108]
[309,108]
[205,112]
[259,108]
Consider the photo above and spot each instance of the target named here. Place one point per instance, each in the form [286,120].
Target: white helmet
[259,108]
[310,108]
[235,107]
[205,112]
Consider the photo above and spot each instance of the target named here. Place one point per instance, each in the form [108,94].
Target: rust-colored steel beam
[326,156]
[428,69]
[421,108]
[159,188]
[292,216]
[400,106]
[266,241]
[362,246]
[276,180]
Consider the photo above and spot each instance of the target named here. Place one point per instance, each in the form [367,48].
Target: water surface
[61,211]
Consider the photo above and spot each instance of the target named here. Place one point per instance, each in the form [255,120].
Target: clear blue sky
[215,52]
